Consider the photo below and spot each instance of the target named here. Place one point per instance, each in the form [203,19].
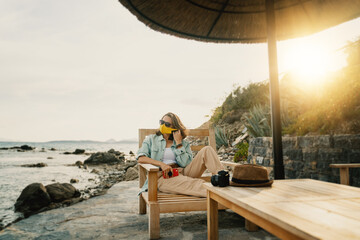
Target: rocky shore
[111,167]
[19,149]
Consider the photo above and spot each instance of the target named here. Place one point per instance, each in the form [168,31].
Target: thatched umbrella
[246,21]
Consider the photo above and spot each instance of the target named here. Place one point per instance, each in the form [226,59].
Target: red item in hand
[174,173]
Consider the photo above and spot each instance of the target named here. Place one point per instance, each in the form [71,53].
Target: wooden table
[292,209]
[344,171]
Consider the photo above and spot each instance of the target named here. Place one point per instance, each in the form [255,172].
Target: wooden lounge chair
[159,202]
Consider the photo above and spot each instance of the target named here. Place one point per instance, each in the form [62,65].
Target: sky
[89,70]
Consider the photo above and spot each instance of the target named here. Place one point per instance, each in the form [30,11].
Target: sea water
[14,178]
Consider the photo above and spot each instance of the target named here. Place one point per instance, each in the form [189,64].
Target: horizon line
[107,141]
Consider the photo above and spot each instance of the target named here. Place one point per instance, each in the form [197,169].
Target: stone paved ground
[114,216]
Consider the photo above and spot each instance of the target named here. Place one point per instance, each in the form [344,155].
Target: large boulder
[79,151]
[59,192]
[26,147]
[117,153]
[132,173]
[104,158]
[32,198]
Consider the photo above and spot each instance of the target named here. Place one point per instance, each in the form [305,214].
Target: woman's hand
[177,137]
[166,169]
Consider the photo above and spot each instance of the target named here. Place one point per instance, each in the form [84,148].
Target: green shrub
[217,115]
[232,116]
[242,152]
[240,100]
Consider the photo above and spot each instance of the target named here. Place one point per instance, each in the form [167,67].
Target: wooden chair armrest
[345,165]
[344,171]
[149,167]
[144,169]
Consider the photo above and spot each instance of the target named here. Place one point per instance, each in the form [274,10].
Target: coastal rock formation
[79,164]
[74,180]
[110,167]
[26,147]
[35,165]
[110,174]
[110,157]
[79,151]
[130,164]
[61,191]
[20,149]
[117,153]
[37,198]
[32,198]
[132,173]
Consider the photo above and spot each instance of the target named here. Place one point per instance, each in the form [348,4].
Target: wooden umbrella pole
[274,91]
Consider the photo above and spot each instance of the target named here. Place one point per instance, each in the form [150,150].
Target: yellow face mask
[166,130]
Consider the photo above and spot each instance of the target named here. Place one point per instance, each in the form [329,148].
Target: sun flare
[310,63]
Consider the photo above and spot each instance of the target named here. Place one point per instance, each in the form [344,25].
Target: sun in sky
[310,62]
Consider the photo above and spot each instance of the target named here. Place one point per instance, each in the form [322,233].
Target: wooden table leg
[344,176]
[212,218]
[250,226]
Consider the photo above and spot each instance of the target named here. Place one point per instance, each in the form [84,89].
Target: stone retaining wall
[310,156]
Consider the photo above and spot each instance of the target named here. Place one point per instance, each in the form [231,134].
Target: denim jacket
[154,146]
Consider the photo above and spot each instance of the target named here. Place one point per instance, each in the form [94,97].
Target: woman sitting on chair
[168,149]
